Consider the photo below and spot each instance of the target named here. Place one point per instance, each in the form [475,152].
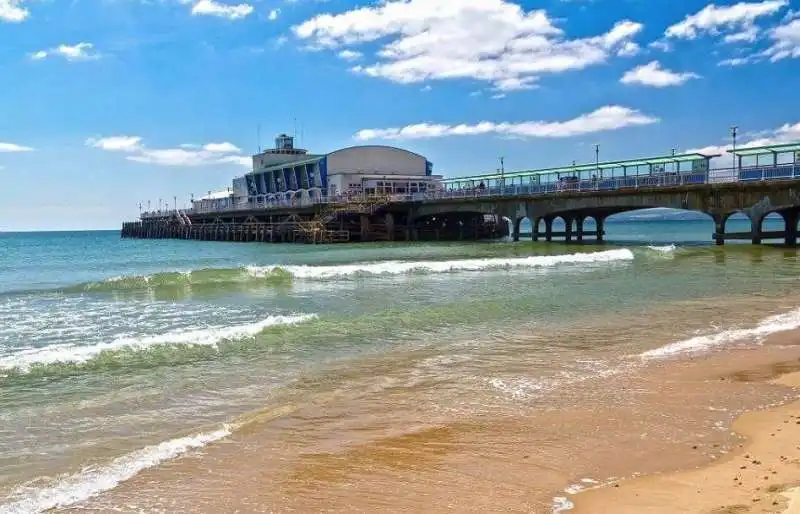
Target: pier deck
[489,213]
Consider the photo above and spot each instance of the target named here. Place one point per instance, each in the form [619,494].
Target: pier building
[289,176]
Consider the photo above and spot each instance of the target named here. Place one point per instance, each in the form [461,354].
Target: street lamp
[502,175]
[734,131]
[597,159]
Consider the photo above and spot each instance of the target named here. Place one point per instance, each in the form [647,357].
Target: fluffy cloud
[12,11]
[786,42]
[273,14]
[116,143]
[493,41]
[652,74]
[606,118]
[712,18]
[185,155]
[12,148]
[786,133]
[79,52]
[214,8]
[350,55]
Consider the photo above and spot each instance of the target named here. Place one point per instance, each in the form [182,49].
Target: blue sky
[108,103]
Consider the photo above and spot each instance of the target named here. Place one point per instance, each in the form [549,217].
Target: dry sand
[761,476]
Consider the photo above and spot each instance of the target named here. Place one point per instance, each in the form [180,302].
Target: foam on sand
[778,323]
[91,481]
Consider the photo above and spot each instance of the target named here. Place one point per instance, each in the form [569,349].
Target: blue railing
[588,186]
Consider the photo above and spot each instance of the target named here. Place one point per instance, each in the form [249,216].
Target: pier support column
[601,227]
[719,228]
[579,226]
[548,229]
[535,228]
[755,230]
[364,227]
[515,227]
[790,220]
[567,228]
[389,226]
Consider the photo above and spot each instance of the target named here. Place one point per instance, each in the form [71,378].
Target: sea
[187,376]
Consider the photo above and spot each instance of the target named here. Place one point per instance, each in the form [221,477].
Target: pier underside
[355,223]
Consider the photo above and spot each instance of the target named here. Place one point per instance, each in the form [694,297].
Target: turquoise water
[108,346]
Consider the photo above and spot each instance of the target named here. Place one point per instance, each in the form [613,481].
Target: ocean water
[118,356]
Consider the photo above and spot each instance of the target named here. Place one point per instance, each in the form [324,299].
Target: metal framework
[683,163]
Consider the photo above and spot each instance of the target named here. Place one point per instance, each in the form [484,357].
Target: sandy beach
[762,475]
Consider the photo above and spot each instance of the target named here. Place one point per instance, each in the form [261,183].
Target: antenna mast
[258,135]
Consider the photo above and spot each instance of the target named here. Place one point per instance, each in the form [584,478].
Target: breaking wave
[285,275]
[143,351]
[429,267]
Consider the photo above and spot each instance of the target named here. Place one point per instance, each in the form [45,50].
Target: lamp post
[734,131]
[597,160]
[502,175]
[175,203]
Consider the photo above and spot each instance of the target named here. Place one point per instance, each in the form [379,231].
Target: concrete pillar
[548,229]
[390,226]
[515,227]
[719,229]
[601,227]
[755,230]
[579,226]
[567,229]
[790,220]
[535,228]
[364,227]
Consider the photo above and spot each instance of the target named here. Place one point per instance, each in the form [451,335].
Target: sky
[109,104]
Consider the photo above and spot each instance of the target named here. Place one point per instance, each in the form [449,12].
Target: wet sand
[391,455]
[761,476]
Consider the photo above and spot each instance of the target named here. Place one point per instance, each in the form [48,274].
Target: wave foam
[91,481]
[773,324]
[406,267]
[663,249]
[209,336]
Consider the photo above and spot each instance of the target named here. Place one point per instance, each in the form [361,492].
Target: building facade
[288,175]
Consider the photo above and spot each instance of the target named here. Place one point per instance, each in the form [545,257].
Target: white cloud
[629,49]
[736,61]
[13,148]
[652,74]
[786,42]
[12,11]
[712,18]
[611,117]
[425,89]
[350,55]
[72,53]
[786,133]
[273,14]
[748,35]
[186,155]
[214,8]
[493,41]
[222,148]
[116,143]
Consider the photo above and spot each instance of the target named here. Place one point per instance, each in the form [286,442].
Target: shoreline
[760,475]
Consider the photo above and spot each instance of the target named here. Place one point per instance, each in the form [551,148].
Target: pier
[765,180]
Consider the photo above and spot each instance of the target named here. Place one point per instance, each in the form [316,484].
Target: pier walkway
[765,180]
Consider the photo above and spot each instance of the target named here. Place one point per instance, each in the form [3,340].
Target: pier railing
[509,189]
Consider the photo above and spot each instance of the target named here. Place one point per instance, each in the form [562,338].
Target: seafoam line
[91,481]
[404,267]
